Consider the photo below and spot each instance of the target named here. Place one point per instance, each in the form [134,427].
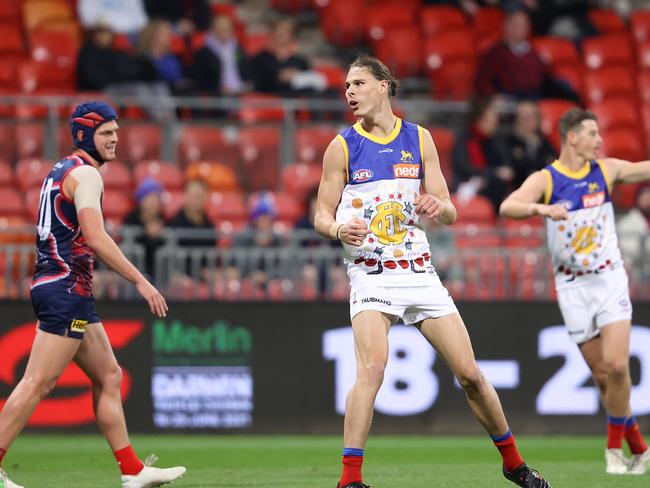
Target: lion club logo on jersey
[593,199]
[406,156]
[362,175]
[406,170]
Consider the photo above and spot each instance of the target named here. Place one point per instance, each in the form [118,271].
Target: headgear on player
[86,118]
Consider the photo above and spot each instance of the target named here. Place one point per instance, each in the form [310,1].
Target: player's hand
[554,212]
[428,206]
[354,232]
[156,301]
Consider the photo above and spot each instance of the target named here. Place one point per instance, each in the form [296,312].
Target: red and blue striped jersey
[64,261]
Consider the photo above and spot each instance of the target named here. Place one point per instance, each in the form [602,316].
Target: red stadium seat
[140,142]
[475,234]
[227,206]
[172,203]
[117,176]
[116,204]
[219,177]
[607,51]
[340,20]
[301,178]
[56,47]
[619,113]
[487,27]
[288,207]
[476,209]
[640,24]
[624,144]
[292,6]
[12,39]
[32,199]
[167,174]
[8,79]
[11,202]
[399,48]
[551,111]
[8,142]
[379,19]
[444,139]
[450,62]
[435,19]
[6,175]
[31,172]
[311,142]
[573,74]
[259,149]
[29,140]
[253,43]
[607,21]
[624,195]
[556,51]
[201,143]
[645,116]
[35,76]
[260,107]
[10,11]
[609,83]
[334,74]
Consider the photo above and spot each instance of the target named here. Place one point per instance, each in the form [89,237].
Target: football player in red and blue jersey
[70,232]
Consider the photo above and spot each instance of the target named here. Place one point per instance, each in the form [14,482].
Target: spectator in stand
[633,230]
[477,165]
[186,16]
[281,70]
[147,219]
[524,147]
[121,16]
[512,67]
[154,43]
[193,229]
[221,67]
[100,66]
[260,234]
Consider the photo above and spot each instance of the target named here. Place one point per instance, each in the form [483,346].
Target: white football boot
[640,463]
[5,482]
[150,477]
[616,461]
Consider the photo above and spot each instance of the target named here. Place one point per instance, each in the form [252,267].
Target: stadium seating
[551,111]
[29,140]
[253,43]
[289,208]
[34,76]
[6,175]
[340,19]
[139,142]
[55,47]
[38,12]
[203,143]
[7,143]
[607,51]
[640,25]
[172,203]
[8,80]
[11,202]
[477,209]
[30,172]
[444,139]
[115,205]
[624,144]
[487,27]
[607,21]
[556,51]
[399,48]
[227,206]
[300,178]
[609,83]
[259,149]
[573,74]
[10,11]
[618,113]
[117,176]
[292,6]
[259,107]
[450,63]
[167,174]
[12,39]
[219,177]
[379,19]
[435,19]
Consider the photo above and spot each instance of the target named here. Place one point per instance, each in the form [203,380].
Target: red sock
[508,449]
[615,430]
[128,461]
[632,436]
[351,470]
[2,454]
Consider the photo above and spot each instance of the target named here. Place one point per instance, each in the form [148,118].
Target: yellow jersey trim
[379,140]
[549,186]
[576,175]
[421,139]
[603,169]
[346,154]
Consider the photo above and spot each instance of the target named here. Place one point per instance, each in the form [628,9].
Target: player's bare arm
[331,187]
[435,203]
[525,201]
[621,171]
[91,222]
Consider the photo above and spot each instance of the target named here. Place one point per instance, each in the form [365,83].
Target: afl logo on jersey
[362,175]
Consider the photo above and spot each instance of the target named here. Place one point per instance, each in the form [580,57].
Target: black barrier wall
[286,368]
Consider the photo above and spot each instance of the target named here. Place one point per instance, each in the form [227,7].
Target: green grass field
[74,461]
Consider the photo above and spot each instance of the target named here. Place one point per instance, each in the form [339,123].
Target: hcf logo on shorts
[78,326]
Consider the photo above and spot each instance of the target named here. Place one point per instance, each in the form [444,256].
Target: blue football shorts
[63,313]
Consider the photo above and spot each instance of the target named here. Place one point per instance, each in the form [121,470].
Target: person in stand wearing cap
[148,217]
[71,232]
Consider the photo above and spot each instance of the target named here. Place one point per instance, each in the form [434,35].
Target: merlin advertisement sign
[287,368]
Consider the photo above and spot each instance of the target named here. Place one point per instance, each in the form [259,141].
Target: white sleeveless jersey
[384,178]
[586,243]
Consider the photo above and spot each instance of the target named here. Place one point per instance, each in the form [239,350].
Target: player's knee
[111,379]
[471,378]
[617,368]
[600,377]
[39,385]
[372,373]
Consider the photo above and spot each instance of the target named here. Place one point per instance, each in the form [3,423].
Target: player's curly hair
[573,118]
[378,70]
